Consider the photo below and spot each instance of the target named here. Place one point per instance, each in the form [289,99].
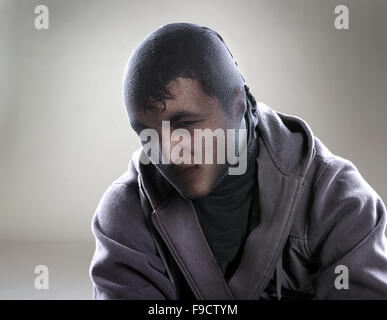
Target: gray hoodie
[321,233]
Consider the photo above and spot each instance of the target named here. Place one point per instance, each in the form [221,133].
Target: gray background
[64,131]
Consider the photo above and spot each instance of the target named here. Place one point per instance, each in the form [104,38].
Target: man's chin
[193,194]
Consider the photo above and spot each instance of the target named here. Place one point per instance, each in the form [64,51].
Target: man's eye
[185,123]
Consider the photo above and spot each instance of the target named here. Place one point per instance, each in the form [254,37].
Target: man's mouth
[187,170]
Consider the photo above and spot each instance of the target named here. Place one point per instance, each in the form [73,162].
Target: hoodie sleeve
[125,264]
[347,235]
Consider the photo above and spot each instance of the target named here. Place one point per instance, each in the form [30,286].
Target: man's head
[184,73]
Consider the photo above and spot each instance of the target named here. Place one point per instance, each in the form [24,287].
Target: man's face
[190,109]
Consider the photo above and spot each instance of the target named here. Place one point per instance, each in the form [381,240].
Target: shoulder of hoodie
[125,187]
[327,166]
[120,204]
[333,182]
[126,184]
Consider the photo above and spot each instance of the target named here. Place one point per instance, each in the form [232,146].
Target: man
[298,223]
